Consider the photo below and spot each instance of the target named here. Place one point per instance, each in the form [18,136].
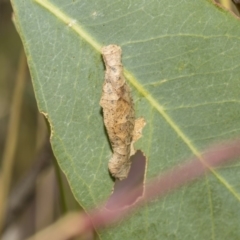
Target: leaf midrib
[90,40]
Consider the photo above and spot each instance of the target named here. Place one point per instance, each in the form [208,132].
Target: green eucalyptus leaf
[181,59]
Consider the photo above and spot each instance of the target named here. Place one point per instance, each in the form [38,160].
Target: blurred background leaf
[32,156]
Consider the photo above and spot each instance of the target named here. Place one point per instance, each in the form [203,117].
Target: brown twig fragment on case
[119,114]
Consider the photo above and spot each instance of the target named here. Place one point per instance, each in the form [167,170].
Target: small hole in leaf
[132,185]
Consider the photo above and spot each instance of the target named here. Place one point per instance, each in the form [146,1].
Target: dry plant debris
[119,114]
